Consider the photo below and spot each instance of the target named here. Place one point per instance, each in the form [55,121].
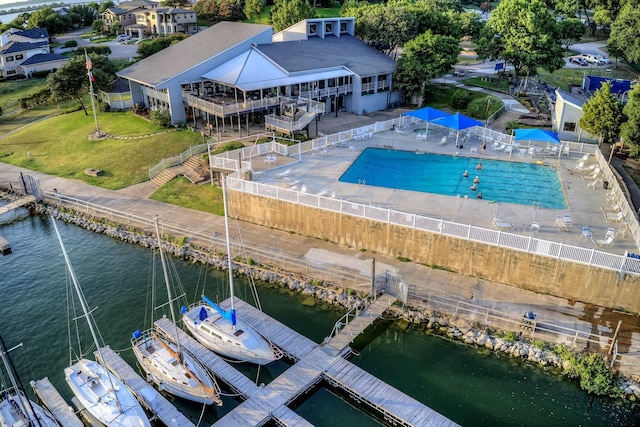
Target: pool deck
[319,173]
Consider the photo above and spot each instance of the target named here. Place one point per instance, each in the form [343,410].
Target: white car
[123,38]
[603,59]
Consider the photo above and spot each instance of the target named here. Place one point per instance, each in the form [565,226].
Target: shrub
[230,146]
[41,74]
[460,99]
[71,43]
[483,108]
[98,50]
[510,126]
[105,107]
[35,99]
[161,118]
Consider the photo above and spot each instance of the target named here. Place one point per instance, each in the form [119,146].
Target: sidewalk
[423,280]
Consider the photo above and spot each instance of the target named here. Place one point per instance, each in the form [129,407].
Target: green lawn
[441,94]
[12,90]
[181,192]
[60,146]
[495,83]
[565,77]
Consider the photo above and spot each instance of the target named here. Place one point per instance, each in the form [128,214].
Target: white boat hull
[13,413]
[100,393]
[241,343]
[162,368]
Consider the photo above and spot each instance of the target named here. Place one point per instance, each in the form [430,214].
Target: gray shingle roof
[15,47]
[316,53]
[43,57]
[34,33]
[190,52]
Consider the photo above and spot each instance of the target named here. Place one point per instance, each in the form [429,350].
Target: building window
[9,58]
[569,127]
[10,72]
[19,57]
[343,27]
[312,29]
[328,27]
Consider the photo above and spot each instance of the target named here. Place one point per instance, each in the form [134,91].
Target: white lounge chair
[593,175]
[612,217]
[586,234]
[443,141]
[502,147]
[607,241]
[497,223]
[582,166]
[284,174]
[535,227]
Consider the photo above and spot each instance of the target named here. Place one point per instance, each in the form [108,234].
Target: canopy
[457,121]
[427,114]
[536,135]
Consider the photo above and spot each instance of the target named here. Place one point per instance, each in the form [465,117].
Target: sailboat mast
[226,230]
[166,282]
[4,352]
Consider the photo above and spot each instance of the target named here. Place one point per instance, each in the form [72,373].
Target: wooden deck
[340,342]
[62,411]
[396,407]
[221,369]
[145,393]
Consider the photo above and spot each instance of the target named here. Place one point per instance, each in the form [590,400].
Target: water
[467,385]
[5,5]
[501,181]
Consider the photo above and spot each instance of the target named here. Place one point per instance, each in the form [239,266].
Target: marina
[56,404]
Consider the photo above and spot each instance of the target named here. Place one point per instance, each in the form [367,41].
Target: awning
[536,135]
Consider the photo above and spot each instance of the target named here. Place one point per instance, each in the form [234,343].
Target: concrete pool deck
[319,172]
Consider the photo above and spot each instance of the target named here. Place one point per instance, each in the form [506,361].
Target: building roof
[138,3]
[118,10]
[43,57]
[252,70]
[567,97]
[190,52]
[15,47]
[34,33]
[172,10]
[317,53]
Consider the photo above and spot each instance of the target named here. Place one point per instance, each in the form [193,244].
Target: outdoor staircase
[192,169]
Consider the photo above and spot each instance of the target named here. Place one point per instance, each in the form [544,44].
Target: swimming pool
[500,181]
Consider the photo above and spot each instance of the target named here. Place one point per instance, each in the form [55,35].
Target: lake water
[5,18]
[468,385]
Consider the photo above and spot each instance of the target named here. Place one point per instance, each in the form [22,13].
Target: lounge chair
[593,176]
[585,157]
[594,183]
[561,224]
[443,141]
[581,166]
[586,234]
[607,241]
[284,174]
[612,217]
[421,136]
[323,192]
[497,223]
[303,189]
[535,227]
[567,221]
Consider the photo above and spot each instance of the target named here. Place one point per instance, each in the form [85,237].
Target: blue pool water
[502,181]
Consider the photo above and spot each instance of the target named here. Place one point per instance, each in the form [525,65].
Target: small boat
[164,362]
[100,392]
[220,330]
[16,409]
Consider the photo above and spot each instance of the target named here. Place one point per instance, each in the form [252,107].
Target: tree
[571,30]
[149,47]
[630,131]
[602,114]
[47,18]
[105,5]
[285,13]
[524,34]
[485,7]
[98,26]
[252,8]
[72,81]
[624,40]
[426,57]
[175,3]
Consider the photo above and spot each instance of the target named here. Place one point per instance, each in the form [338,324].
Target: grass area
[12,90]
[565,77]
[441,94]
[495,83]
[328,12]
[60,146]
[181,192]
[15,121]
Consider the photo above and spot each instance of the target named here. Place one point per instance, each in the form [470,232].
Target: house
[124,14]
[232,72]
[162,21]
[567,109]
[23,52]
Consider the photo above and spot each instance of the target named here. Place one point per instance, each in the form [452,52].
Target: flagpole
[90,74]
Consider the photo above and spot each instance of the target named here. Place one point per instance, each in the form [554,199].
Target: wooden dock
[315,363]
[340,342]
[145,393]
[62,411]
[23,201]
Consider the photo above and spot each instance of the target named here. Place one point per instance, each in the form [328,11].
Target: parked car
[578,60]
[123,38]
[603,59]
[592,59]
[459,72]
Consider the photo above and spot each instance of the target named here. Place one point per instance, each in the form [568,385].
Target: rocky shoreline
[446,325]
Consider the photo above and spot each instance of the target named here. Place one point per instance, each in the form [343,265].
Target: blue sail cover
[229,315]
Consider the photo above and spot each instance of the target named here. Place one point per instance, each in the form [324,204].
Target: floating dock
[51,398]
[145,393]
[9,213]
[314,363]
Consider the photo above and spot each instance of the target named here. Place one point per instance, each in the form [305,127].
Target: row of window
[11,58]
[328,27]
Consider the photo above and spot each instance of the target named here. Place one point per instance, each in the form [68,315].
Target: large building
[23,52]
[233,72]
[142,18]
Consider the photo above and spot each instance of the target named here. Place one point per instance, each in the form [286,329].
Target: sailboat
[220,330]
[164,362]
[16,409]
[100,392]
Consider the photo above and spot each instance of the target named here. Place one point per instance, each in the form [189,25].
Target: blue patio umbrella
[457,122]
[427,114]
[537,135]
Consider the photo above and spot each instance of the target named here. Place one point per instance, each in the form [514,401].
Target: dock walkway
[52,399]
[146,394]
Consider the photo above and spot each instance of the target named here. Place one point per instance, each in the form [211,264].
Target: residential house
[23,52]
[232,72]
[163,21]
[124,14]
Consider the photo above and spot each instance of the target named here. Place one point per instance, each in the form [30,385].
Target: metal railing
[251,105]
[177,160]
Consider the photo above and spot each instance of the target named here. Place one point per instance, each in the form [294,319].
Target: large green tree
[149,47]
[72,80]
[602,114]
[523,33]
[630,130]
[571,30]
[49,19]
[425,57]
[285,13]
[252,8]
[624,40]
